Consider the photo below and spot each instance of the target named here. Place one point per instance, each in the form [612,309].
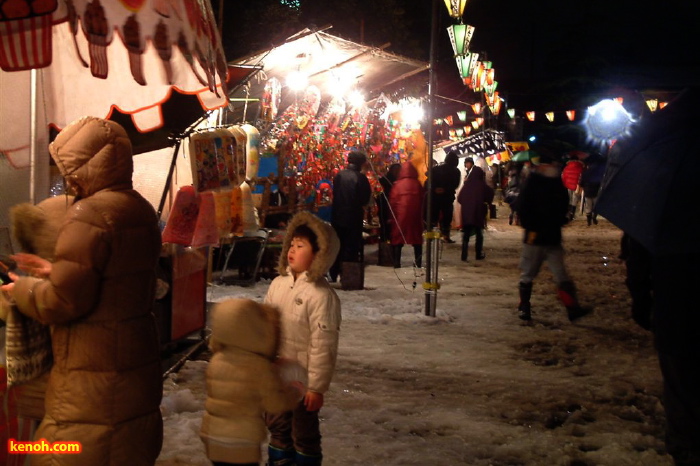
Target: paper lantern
[653,104]
[662,105]
[475,125]
[460,37]
[511,112]
[479,121]
[550,116]
[571,114]
[466,64]
[476,107]
[460,132]
[530,116]
[456,7]
[462,115]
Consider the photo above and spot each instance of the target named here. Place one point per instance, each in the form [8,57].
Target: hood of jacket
[94,154]
[328,244]
[248,325]
[452,159]
[36,226]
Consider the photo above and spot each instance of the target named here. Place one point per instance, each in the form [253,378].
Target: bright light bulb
[356,99]
[412,114]
[297,80]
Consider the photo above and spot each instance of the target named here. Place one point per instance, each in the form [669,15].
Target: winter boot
[418,255]
[589,219]
[594,217]
[278,457]
[465,249]
[567,295]
[525,290]
[396,255]
[572,212]
[308,460]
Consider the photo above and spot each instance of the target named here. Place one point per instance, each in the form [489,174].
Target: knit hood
[36,226]
[248,325]
[94,154]
[328,244]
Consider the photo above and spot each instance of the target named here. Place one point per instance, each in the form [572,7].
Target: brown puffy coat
[105,386]
[242,381]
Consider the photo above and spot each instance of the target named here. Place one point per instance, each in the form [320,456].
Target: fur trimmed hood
[248,325]
[94,154]
[36,226]
[328,244]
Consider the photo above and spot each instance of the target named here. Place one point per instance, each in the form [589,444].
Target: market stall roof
[329,62]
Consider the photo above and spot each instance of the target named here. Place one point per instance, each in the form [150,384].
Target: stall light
[356,99]
[511,112]
[297,81]
[462,115]
[571,114]
[456,8]
[412,114]
[550,116]
[460,37]
[653,104]
[530,115]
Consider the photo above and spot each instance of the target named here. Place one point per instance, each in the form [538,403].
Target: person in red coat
[474,197]
[570,176]
[406,201]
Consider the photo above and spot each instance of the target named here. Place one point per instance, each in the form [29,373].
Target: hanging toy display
[270,102]
[252,150]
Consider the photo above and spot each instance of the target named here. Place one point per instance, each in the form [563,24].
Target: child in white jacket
[243,381]
[310,317]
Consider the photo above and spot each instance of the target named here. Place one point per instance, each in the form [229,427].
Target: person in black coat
[444,183]
[351,193]
[387,182]
[542,207]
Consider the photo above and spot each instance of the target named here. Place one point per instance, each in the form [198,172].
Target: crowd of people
[272,362]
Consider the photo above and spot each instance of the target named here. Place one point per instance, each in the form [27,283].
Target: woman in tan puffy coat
[105,386]
[242,381]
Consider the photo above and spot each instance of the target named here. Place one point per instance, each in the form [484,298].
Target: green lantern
[460,37]
[466,64]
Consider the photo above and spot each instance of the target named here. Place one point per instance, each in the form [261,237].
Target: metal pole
[431,285]
[33,133]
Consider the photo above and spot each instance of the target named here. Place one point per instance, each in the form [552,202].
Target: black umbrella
[650,185]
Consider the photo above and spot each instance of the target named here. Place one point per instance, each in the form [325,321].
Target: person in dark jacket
[591,178]
[474,198]
[387,182]
[351,193]
[444,183]
[542,207]
[407,220]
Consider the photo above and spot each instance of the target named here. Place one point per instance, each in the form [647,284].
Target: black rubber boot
[567,295]
[589,219]
[525,290]
[595,219]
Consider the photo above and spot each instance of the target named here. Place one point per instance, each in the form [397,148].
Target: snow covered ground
[475,385]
